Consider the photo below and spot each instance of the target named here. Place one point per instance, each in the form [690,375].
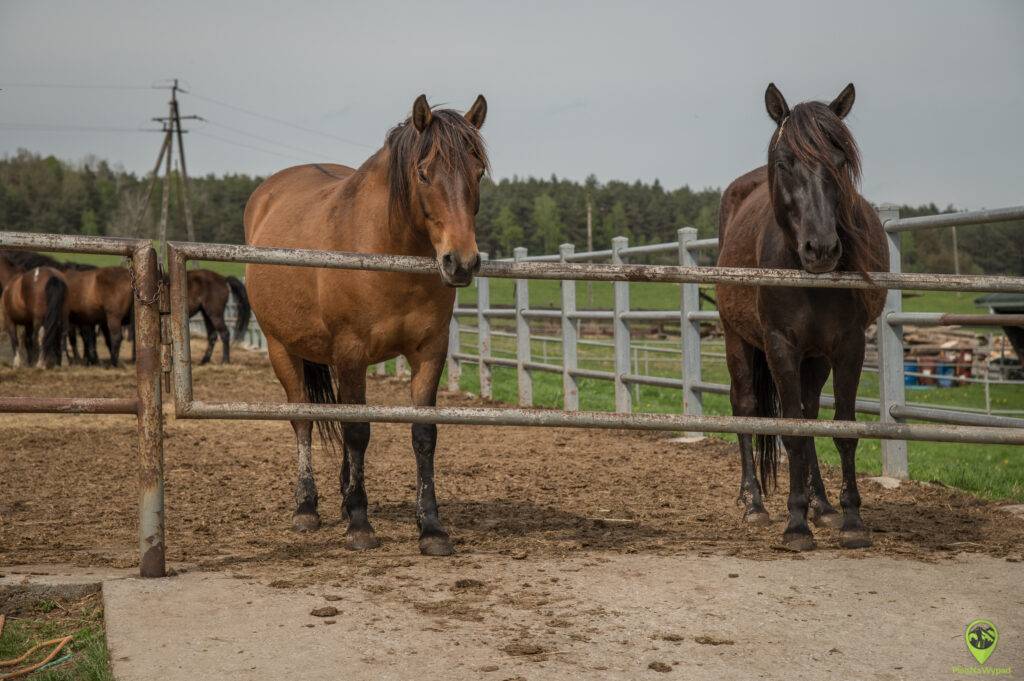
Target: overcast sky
[625,90]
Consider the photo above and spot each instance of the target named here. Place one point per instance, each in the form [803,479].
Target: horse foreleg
[848,364]
[360,534]
[784,362]
[426,372]
[813,374]
[739,357]
[288,369]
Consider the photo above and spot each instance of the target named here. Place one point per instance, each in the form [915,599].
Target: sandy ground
[558,499]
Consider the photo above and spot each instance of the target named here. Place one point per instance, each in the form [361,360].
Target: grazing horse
[801,211]
[418,195]
[100,296]
[37,300]
[208,294]
[26,260]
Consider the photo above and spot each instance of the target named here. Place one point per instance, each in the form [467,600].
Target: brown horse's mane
[448,138]
[812,132]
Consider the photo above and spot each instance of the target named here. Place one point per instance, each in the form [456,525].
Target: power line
[278,120]
[74,86]
[266,139]
[43,127]
[246,146]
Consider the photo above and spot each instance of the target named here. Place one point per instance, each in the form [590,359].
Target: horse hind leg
[211,337]
[739,357]
[813,374]
[114,338]
[288,369]
[225,337]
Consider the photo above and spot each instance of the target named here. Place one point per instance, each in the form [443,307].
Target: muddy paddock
[69,489]
[556,530]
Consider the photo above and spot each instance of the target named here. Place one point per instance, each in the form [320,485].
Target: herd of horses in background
[53,303]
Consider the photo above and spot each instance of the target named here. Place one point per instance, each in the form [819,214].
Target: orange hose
[60,643]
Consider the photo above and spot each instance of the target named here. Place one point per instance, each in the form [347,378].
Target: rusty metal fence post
[150,412]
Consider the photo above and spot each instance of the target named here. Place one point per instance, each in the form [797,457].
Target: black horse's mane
[812,132]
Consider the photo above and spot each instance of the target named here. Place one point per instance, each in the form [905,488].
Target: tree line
[45,194]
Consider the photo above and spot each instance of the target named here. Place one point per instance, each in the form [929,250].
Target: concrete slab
[592,617]
[24,585]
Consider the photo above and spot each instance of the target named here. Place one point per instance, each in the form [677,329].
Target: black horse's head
[813,169]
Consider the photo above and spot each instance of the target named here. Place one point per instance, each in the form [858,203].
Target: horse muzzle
[456,271]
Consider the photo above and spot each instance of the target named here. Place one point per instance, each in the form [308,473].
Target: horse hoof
[833,520]
[306,522]
[855,539]
[436,545]
[361,541]
[757,518]
[798,542]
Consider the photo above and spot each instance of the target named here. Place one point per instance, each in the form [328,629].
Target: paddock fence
[163,337]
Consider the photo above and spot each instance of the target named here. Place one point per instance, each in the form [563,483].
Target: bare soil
[68,492]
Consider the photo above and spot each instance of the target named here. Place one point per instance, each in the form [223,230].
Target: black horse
[801,211]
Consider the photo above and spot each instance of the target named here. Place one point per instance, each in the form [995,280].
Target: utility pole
[590,248]
[172,131]
[956,255]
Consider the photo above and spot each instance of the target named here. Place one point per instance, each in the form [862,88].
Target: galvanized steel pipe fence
[891,407]
[155,358]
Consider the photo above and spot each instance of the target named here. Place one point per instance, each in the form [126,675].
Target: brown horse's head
[436,160]
[813,169]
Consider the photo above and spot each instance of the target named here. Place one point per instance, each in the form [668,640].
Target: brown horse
[801,211]
[100,296]
[36,300]
[418,195]
[208,294]
[26,260]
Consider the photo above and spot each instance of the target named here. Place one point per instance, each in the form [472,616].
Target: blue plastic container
[945,373]
[910,367]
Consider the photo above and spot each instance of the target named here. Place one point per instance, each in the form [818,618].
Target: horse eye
[422,176]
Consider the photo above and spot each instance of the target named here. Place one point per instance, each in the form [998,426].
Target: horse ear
[478,112]
[421,115]
[776,104]
[842,104]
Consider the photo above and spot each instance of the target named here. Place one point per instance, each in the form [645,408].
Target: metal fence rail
[151,297]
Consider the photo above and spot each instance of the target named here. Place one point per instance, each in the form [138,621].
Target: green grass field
[991,471]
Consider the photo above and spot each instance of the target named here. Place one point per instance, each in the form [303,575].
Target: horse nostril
[808,247]
[448,263]
[474,264]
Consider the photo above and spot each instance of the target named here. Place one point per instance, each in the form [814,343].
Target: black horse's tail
[320,390]
[56,293]
[243,310]
[766,399]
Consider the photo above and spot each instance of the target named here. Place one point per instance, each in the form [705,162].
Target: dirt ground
[581,554]
[69,490]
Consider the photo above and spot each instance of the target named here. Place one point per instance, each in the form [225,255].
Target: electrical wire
[279,121]
[266,139]
[246,146]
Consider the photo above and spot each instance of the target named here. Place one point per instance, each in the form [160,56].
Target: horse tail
[766,401]
[243,309]
[56,293]
[320,390]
